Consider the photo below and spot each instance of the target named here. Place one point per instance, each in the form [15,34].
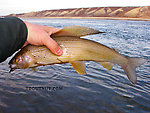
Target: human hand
[40,35]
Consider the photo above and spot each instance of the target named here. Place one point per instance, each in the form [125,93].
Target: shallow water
[59,89]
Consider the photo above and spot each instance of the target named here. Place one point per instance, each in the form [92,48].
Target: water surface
[59,89]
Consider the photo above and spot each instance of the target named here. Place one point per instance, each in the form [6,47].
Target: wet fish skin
[75,50]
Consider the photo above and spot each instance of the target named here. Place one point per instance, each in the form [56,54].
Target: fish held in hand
[75,50]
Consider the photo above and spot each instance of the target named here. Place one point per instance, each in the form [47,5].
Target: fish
[75,51]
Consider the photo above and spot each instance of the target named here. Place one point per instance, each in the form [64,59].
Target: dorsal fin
[76,31]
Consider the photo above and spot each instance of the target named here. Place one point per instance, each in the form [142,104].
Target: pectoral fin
[107,65]
[79,66]
[76,31]
[34,69]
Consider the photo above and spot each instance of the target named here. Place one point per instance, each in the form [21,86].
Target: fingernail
[59,52]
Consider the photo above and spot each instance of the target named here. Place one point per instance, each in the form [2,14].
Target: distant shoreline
[101,18]
[103,13]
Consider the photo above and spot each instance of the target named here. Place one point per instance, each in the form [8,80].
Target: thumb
[52,45]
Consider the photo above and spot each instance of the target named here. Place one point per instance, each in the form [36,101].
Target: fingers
[50,30]
[40,35]
[52,45]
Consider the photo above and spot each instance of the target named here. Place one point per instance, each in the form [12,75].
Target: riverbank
[104,13]
[101,18]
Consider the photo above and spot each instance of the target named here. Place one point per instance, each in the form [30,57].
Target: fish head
[20,61]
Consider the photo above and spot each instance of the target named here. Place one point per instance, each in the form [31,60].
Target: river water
[59,89]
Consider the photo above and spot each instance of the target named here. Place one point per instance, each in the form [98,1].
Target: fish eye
[17,60]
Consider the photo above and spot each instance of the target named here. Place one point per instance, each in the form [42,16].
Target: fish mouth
[12,67]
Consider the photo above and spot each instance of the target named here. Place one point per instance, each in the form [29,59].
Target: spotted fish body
[75,50]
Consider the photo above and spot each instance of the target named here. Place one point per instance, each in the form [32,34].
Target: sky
[24,6]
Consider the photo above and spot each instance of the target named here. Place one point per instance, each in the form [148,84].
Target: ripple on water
[97,91]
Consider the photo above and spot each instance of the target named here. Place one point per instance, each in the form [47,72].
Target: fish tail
[130,68]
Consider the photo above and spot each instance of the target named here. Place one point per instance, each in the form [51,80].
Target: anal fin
[79,67]
[107,65]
